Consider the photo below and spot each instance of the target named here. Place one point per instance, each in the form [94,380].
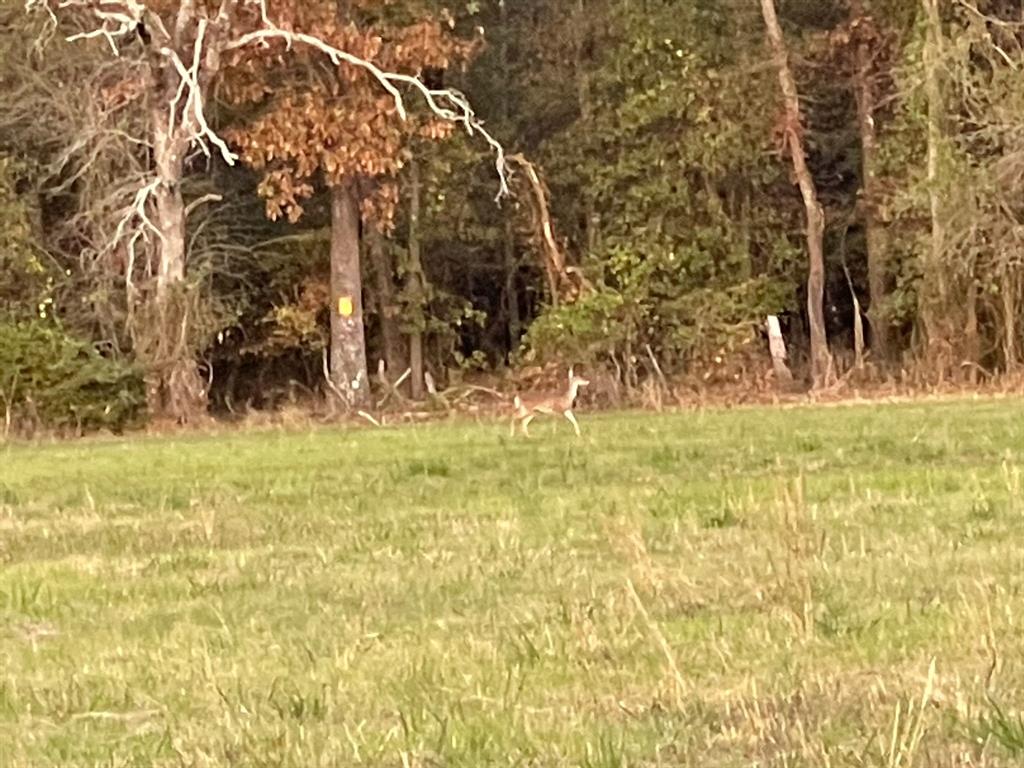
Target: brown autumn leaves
[305,119]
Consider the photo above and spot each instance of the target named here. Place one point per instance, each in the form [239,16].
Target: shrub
[51,379]
[689,329]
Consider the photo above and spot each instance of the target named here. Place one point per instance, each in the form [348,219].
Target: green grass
[819,587]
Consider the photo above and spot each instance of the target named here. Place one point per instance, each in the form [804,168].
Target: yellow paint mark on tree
[345,306]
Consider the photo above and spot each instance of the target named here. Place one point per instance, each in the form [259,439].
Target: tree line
[211,204]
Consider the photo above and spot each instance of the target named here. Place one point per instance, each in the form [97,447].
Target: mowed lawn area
[757,587]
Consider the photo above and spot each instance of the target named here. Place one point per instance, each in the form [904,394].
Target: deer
[528,407]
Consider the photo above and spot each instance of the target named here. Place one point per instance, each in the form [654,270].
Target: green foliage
[686,329]
[49,378]
[974,250]
[26,282]
[584,331]
[1005,729]
[293,327]
[656,129]
[273,298]
[664,168]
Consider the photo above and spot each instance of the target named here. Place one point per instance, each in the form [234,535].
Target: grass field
[819,587]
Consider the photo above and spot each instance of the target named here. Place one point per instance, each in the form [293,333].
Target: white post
[777,346]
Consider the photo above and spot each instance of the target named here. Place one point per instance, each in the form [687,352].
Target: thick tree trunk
[416,365]
[163,325]
[876,246]
[417,288]
[175,390]
[348,338]
[933,298]
[821,359]
[387,303]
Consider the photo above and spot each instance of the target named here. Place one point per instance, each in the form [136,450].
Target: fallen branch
[465,390]
[391,390]
[369,418]
[331,386]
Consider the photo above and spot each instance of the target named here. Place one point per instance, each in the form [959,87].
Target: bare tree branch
[116,23]
[209,198]
[186,115]
[194,103]
[458,109]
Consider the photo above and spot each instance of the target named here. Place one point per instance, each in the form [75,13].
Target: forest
[216,206]
[284,284]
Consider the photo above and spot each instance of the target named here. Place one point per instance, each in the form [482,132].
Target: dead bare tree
[90,163]
[175,56]
[564,282]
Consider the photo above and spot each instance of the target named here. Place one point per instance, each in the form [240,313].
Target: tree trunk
[348,338]
[174,388]
[821,359]
[416,283]
[1008,291]
[387,303]
[933,298]
[876,247]
[512,313]
[971,341]
[586,106]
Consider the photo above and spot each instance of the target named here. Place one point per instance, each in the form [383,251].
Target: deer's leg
[526,423]
[572,420]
